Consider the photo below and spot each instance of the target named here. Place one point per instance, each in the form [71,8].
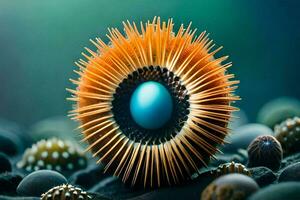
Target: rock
[18,198]
[290,173]
[113,187]
[97,196]
[262,175]
[281,191]
[294,158]
[16,130]
[278,110]
[231,186]
[88,177]
[190,191]
[243,136]
[9,143]
[5,165]
[40,182]
[9,183]
[240,156]
[241,119]
[59,126]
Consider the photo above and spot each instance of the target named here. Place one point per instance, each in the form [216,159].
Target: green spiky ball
[288,134]
[53,154]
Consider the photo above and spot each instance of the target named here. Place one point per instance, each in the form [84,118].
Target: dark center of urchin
[121,105]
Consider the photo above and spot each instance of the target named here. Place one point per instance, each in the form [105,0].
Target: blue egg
[151,105]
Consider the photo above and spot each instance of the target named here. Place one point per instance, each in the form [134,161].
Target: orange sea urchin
[168,138]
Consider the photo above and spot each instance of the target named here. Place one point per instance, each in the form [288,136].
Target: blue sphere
[151,105]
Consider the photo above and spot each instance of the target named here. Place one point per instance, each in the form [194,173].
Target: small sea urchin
[229,168]
[153,104]
[288,134]
[53,154]
[65,192]
[265,151]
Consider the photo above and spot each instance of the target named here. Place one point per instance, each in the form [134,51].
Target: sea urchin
[153,104]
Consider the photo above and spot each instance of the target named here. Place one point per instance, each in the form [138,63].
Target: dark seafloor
[48,155]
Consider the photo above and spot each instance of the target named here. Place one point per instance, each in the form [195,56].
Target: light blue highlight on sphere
[151,105]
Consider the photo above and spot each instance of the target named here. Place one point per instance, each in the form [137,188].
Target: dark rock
[240,156]
[190,191]
[281,191]
[5,165]
[243,136]
[9,183]
[15,129]
[294,158]
[290,173]
[40,182]
[262,175]
[18,198]
[97,196]
[113,187]
[231,186]
[9,143]
[87,178]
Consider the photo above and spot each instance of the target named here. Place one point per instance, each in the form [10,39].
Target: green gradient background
[40,40]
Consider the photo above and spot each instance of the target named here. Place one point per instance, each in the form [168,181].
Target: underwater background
[135,154]
[41,40]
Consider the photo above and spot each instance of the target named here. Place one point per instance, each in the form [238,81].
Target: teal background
[40,40]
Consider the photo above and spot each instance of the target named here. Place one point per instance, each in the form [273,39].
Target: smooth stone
[263,176]
[5,165]
[235,186]
[9,144]
[278,110]
[39,182]
[290,173]
[8,183]
[281,191]
[151,105]
[239,120]
[89,177]
[243,136]
[58,126]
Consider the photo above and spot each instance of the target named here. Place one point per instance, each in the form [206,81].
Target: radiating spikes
[109,143]
[116,154]
[207,85]
[101,138]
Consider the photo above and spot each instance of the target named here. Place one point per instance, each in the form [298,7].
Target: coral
[53,154]
[288,134]
[145,151]
[65,192]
